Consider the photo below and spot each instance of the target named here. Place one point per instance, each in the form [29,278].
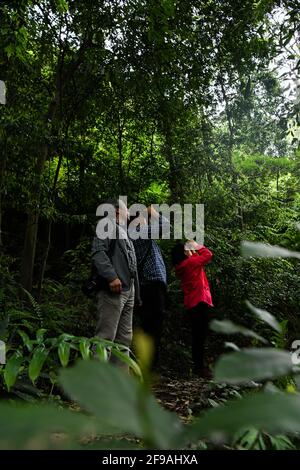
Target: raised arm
[204,256]
[156,227]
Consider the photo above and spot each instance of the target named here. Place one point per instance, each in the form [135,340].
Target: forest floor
[178,390]
[187,397]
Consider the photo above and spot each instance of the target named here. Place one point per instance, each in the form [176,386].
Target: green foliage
[252,439]
[12,369]
[228,327]
[274,413]
[279,338]
[37,425]
[64,353]
[120,404]
[265,251]
[253,364]
[184,108]
[266,317]
[48,353]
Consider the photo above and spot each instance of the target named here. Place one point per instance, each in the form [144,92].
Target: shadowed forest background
[166,102]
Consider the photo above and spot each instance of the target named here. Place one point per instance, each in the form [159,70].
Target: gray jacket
[114,263]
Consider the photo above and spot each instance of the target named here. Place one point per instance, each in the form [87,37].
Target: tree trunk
[29,249]
[44,259]
[62,77]
[235,182]
[120,159]
[176,183]
[1,242]
[2,175]
[48,234]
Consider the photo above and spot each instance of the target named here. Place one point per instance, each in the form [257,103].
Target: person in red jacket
[189,260]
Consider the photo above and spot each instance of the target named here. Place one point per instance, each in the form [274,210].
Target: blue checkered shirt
[153,268]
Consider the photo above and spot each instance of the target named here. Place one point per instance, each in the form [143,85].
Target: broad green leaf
[12,369]
[120,402]
[62,6]
[161,429]
[246,438]
[261,250]
[264,316]
[64,353]
[26,341]
[227,327]
[40,335]
[32,427]
[101,352]
[52,342]
[281,443]
[84,348]
[37,361]
[105,391]
[105,342]
[66,337]
[275,413]
[253,364]
[231,346]
[129,361]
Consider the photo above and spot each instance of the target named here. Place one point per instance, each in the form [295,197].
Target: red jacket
[193,279]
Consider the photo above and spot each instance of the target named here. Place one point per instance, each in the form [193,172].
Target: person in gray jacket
[116,263]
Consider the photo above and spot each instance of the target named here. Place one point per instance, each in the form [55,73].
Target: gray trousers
[115,318]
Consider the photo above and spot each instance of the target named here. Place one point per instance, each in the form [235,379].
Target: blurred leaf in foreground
[253,364]
[227,327]
[269,412]
[261,250]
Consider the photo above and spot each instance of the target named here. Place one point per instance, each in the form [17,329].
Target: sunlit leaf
[64,353]
[231,346]
[129,361]
[27,342]
[101,352]
[84,348]
[37,361]
[12,369]
[66,337]
[40,334]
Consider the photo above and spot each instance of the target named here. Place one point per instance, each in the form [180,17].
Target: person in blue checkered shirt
[152,273]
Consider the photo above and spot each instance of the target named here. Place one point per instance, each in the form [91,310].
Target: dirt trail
[189,396]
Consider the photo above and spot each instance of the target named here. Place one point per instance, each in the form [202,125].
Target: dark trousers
[199,319]
[153,296]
